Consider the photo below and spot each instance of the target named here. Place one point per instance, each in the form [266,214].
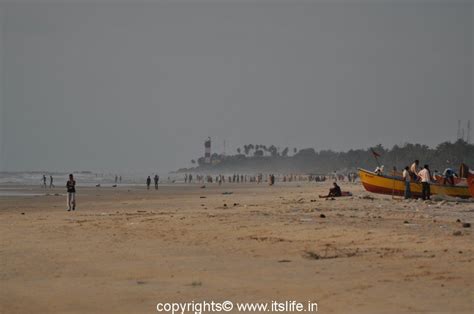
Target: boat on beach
[394,185]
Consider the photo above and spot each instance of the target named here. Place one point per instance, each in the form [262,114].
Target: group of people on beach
[424,175]
[414,173]
[44,180]
[267,178]
[118,179]
[156,180]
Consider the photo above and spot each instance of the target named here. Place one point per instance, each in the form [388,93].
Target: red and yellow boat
[394,185]
[470,183]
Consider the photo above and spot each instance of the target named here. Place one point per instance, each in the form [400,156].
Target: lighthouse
[207,150]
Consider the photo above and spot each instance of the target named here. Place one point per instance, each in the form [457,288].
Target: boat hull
[395,186]
[470,183]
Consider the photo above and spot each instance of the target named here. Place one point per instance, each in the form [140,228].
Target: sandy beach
[125,249]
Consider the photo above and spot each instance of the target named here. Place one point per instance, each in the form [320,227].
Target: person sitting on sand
[333,192]
[71,193]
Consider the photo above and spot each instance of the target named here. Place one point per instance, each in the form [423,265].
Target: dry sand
[126,249]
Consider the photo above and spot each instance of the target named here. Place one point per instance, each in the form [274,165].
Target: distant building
[207,150]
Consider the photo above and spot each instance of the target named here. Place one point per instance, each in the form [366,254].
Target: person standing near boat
[407,178]
[425,176]
[414,169]
[71,193]
[448,175]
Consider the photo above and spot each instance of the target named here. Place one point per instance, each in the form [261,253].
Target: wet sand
[125,249]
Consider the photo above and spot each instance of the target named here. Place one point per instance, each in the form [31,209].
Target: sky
[116,86]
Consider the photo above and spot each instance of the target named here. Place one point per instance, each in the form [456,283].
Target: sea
[9,180]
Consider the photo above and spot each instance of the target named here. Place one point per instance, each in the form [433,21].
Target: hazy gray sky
[140,86]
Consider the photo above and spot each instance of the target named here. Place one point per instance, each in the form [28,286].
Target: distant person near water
[156,179]
[272,179]
[425,177]
[407,178]
[71,193]
[148,182]
[44,181]
[51,185]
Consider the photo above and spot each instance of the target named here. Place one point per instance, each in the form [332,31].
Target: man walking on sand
[51,185]
[425,176]
[71,193]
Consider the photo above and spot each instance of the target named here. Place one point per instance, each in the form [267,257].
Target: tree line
[263,158]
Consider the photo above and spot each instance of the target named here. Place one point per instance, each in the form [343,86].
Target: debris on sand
[466,225]
[227,193]
[322,216]
[203,186]
[312,255]
[196,284]
[445,198]
[366,197]
[330,252]
[202,197]
[284,261]
[457,233]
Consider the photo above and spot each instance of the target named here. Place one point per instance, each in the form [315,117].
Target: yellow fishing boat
[383,184]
